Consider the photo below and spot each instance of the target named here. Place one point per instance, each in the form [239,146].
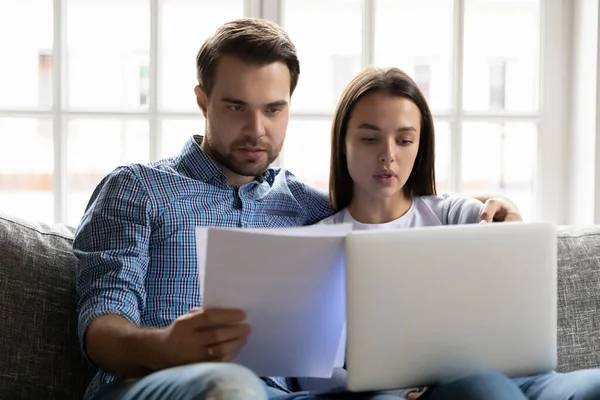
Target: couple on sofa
[139,309]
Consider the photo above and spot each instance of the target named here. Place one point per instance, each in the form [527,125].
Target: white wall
[582,127]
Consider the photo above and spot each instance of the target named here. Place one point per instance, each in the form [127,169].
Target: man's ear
[201,99]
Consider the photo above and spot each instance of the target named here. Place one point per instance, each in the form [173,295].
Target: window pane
[501,63]
[328,60]
[27,169]
[425,54]
[185,26]
[443,157]
[108,45]
[175,133]
[95,148]
[306,151]
[501,158]
[26,48]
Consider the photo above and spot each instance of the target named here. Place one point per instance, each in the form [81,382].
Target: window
[45,79]
[144,85]
[498,85]
[118,91]
[473,155]
[422,77]
[75,104]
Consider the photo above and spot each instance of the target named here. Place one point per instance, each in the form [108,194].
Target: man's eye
[273,110]
[236,108]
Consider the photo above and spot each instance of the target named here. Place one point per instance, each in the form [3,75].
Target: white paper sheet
[290,283]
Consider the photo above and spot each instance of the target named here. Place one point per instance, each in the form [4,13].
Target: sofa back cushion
[39,353]
[578,298]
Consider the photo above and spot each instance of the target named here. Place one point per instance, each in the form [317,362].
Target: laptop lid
[428,304]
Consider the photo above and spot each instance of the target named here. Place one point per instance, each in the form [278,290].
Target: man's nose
[256,124]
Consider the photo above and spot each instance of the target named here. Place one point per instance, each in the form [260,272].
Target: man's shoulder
[297,186]
[146,173]
[313,200]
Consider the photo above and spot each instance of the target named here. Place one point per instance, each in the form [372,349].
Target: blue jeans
[220,381]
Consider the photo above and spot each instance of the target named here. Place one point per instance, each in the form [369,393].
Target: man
[139,315]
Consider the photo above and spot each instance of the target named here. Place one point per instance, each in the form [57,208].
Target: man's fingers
[485,217]
[513,217]
[491,214]
[206,318]
[226,351]
[216,336]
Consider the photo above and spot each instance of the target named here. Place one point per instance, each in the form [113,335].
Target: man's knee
[204,381]
[223,381]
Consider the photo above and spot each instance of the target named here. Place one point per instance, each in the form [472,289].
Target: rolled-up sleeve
[112,245]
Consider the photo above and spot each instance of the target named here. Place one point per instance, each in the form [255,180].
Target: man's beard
[242,167]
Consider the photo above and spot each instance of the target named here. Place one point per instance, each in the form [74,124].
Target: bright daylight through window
[75,103]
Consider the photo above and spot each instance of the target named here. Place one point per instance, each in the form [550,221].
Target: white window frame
[551,176]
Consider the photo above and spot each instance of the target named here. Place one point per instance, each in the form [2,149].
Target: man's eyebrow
[278,103]
[234,101]
[372,127]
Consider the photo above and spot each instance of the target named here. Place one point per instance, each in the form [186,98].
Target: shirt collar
[200,166]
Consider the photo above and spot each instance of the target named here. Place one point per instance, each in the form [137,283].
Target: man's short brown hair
[253,40]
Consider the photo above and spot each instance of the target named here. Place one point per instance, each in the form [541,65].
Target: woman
[383,177]
[382,158]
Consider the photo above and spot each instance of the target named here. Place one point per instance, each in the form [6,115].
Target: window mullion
[155,87]
[58,122]
[252,8]
[458,60]
[272,10]
[368,34]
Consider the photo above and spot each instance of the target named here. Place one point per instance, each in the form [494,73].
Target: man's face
[247,115]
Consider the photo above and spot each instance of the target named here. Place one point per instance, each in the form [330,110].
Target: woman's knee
[487,385]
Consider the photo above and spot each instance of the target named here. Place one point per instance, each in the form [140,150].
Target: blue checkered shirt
[136,243]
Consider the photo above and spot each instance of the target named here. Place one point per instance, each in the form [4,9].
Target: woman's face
[382,141]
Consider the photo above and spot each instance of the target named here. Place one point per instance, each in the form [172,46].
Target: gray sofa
[39,354]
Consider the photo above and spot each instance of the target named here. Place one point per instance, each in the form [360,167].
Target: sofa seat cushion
[39,350]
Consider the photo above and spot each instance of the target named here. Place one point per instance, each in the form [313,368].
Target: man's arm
[497,208]
[119,346]
[112,246]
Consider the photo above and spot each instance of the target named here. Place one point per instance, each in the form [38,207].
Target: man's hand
[499,209]
[117,345]
[202,336]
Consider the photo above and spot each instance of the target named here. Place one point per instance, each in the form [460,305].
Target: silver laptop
[425,305]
